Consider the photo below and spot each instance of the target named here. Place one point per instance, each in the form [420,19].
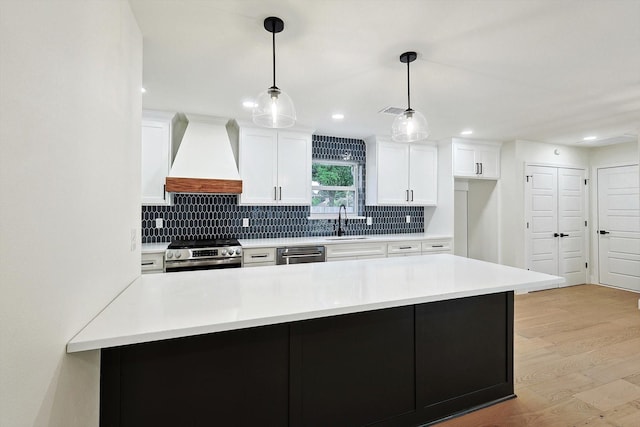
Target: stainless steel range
[204,254]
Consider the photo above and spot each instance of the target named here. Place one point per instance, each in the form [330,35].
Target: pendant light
[409,125]
[274,108]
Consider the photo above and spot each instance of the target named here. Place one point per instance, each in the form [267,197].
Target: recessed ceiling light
[466,132]
[143,90]
[337,116]
[589,138]
[248,104]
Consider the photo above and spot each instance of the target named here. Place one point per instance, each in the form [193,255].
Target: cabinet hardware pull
[407,195]
[275,193]
[604,232]
[164,192]
[437,246]
[564,235]
[412,195]
[556,235]
[260,256]
[481,171]
[280,193]
[477,168]
[148,262]
[405,247]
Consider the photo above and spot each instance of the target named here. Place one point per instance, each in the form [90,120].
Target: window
[334,184]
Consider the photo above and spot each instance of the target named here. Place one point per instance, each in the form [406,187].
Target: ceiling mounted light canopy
[274,108]
[409,125]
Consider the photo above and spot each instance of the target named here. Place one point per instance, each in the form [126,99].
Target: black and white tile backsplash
[207,216]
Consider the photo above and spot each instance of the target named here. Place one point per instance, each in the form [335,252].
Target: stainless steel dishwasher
[300,255]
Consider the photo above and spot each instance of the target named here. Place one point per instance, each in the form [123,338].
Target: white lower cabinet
[436,246]
[404,249]
[152,262]
[347,251]
[258,257]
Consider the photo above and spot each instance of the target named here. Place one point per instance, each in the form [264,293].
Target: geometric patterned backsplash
[219,216]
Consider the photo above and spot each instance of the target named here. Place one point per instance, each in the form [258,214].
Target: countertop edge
[74,345]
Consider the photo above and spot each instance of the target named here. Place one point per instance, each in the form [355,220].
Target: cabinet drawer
[259,255]
[152,263]
[404,248]
[373,250]
[436,246]
[259,264]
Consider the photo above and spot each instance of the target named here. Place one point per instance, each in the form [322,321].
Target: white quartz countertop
[170,305]
[314,240]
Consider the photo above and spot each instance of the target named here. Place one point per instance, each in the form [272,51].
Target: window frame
[354,188]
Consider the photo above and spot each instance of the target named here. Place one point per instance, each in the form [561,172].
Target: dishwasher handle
[300,255]
[311,255]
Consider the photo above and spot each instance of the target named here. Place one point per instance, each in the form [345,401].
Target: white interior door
[556,233]
[542,198]
[619,227]
[571,226]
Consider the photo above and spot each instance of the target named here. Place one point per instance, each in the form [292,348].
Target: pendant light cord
[274,57]
[408,88]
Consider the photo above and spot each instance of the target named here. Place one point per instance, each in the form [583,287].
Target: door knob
[604,232]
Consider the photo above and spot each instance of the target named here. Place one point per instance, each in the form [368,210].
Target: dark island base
[403,366]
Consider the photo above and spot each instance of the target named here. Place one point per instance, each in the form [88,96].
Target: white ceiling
[543,70]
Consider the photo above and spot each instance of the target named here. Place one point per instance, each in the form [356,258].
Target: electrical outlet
[245,222]
[159,223]
[408,219]
[369,220]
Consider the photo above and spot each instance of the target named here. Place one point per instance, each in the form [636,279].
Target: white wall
[70,77]
[514,155]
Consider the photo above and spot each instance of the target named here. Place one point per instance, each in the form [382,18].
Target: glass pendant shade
[409,126]
[274,109]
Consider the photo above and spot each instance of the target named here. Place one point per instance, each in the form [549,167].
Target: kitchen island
[388,342]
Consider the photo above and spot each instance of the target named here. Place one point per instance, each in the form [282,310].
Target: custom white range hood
[206,160]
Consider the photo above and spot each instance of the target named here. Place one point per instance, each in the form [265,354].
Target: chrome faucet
[346,221]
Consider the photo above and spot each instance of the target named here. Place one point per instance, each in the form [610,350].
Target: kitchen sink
[346,238]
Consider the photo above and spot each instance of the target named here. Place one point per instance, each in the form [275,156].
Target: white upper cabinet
[156,156]
[401,174]
[476,160]
[275,167]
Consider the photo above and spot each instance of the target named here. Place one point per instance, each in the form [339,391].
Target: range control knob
[231,251]
[169,255]
[238,251]
[224,252]
[178,254]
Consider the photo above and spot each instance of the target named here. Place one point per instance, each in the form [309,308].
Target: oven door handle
[173,265]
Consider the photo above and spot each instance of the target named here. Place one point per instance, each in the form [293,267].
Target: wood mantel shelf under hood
[203,185]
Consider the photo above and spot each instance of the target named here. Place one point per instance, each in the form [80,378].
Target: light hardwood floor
[576,361]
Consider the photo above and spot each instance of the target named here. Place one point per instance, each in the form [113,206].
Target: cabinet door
[393,179]
[423,175]
[464,160]
[258,166]
[294,168]
[489,158]
[156,161]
